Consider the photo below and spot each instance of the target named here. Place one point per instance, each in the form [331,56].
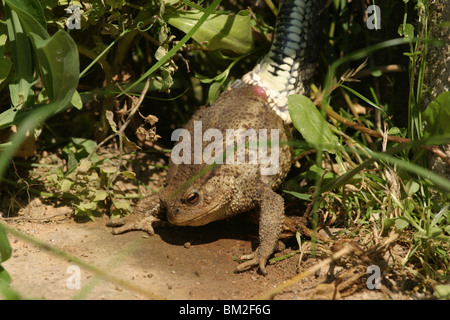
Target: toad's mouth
[196,217]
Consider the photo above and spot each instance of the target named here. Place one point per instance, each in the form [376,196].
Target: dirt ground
[176,263]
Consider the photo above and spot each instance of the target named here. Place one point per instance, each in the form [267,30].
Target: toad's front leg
[144,215]
[271,218]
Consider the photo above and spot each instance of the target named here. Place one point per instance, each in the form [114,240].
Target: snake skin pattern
[291,61]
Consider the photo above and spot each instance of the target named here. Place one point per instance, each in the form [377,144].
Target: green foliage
[311,124]
[392,190]
[437,116]
[57,63]
[220,31]
[90,183]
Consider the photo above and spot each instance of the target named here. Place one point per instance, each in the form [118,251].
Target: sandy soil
[176,263]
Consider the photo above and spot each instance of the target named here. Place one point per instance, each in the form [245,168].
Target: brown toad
[197,194]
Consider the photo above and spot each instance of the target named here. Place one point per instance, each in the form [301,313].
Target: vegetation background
[82,110]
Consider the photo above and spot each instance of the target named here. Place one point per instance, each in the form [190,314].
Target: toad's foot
[144,216]
[133,222]
[254,259]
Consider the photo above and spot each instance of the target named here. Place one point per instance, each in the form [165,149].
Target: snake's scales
[290,63]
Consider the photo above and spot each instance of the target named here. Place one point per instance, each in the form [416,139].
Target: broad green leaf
[59,66]
[220,31]
[311,124]
[437,116]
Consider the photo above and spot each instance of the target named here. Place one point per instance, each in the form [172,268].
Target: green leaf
[100,195]
[5,247]
[129,174]
[437,116]
[311,124]
[128,143]
[5,62]
[66,185]
[76,101]
[71,161]
[302,196]
[401,223]
[88,206]
[84,166]
[122,205]
[406,30]
[394,131]
[84,146]
[220,31]
[442,291]
[214,91]
[412,187]
[108,170]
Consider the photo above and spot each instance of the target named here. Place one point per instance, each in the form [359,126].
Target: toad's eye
[193,197]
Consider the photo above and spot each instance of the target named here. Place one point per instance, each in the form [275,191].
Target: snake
[291,61]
